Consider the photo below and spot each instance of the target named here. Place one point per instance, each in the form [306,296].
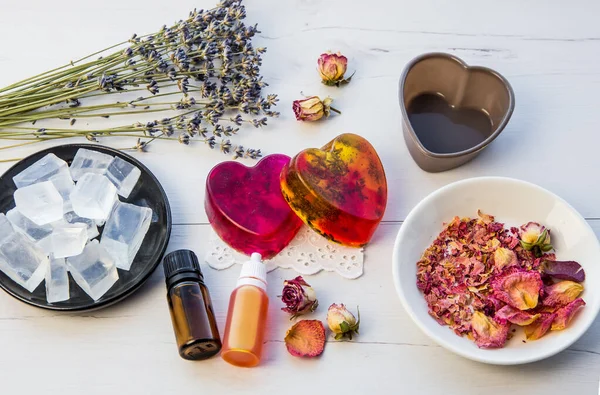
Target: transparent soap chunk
[23,261]
[124,232]
[57,281]
[6,228]
[64,184]
[26,226]
[67,240]
[45,245]
[89,161]
[42,170]
[123,175]
[93,197]
[71,217]
[40,202]
[94,270]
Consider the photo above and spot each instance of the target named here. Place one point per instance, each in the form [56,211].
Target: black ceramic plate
[148,192]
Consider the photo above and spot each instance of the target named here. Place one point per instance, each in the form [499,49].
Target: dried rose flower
[341,321]
[562,293]
[299,297]
[488,333]
[504,257]
[518,288]
[332,68]
[313,108]
[565,314]
[534,235]
[515,316]
[564,270]
[306,338]
[539,328]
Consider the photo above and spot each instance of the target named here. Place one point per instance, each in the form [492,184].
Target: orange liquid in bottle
[246,326]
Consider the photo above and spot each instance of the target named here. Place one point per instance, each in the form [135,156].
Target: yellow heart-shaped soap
[340,190]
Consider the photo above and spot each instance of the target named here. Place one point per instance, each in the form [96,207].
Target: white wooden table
[548,50]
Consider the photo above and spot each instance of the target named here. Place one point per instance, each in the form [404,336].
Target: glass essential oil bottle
[190,306]
[247,316]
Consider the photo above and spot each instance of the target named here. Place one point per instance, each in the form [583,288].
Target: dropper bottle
[247,316]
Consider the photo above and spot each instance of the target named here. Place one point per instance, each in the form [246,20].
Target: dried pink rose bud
[515,316]
[503,257]
[534,235]
[487,332]
[565,314]
[518,288]
[539,328]
[562,293]
[332,68]
[299,297]
[341,321]
[312,108]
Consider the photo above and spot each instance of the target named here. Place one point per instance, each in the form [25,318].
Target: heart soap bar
[246,208]
[340,190]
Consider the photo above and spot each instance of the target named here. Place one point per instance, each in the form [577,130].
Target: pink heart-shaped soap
[246,208]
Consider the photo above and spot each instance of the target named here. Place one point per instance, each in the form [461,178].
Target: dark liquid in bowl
[444,129]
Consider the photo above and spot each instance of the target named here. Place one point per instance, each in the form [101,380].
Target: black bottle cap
[182,265]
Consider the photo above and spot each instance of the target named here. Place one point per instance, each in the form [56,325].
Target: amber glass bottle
[190,306]
[247,316]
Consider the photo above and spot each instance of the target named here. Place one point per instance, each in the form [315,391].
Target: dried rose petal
[306,338]
[565,314]
[503,257]
[515,316]
[491,245]
[486,218]
[518,288]
[453,248]
[540,326]
[477,267]
[564,270]
[487,332]
[479,236]
[562,293]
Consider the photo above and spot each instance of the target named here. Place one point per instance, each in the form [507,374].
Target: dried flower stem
[207,59]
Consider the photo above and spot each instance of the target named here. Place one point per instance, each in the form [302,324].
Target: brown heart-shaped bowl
[472,94]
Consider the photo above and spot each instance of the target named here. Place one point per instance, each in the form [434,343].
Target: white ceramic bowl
[512,202]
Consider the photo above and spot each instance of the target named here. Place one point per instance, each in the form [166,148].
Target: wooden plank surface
[549,52]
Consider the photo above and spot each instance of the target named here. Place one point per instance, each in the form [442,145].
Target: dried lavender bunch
[204,70]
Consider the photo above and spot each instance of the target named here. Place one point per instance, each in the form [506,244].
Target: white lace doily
[308,253]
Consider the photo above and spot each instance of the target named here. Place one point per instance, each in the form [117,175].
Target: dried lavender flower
[207,59]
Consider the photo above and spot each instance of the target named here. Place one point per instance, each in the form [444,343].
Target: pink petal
[540,326]
[518,288]
[306,338]
[562,293]
[564,270]
[488,333]
[515,316]
[565,314]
